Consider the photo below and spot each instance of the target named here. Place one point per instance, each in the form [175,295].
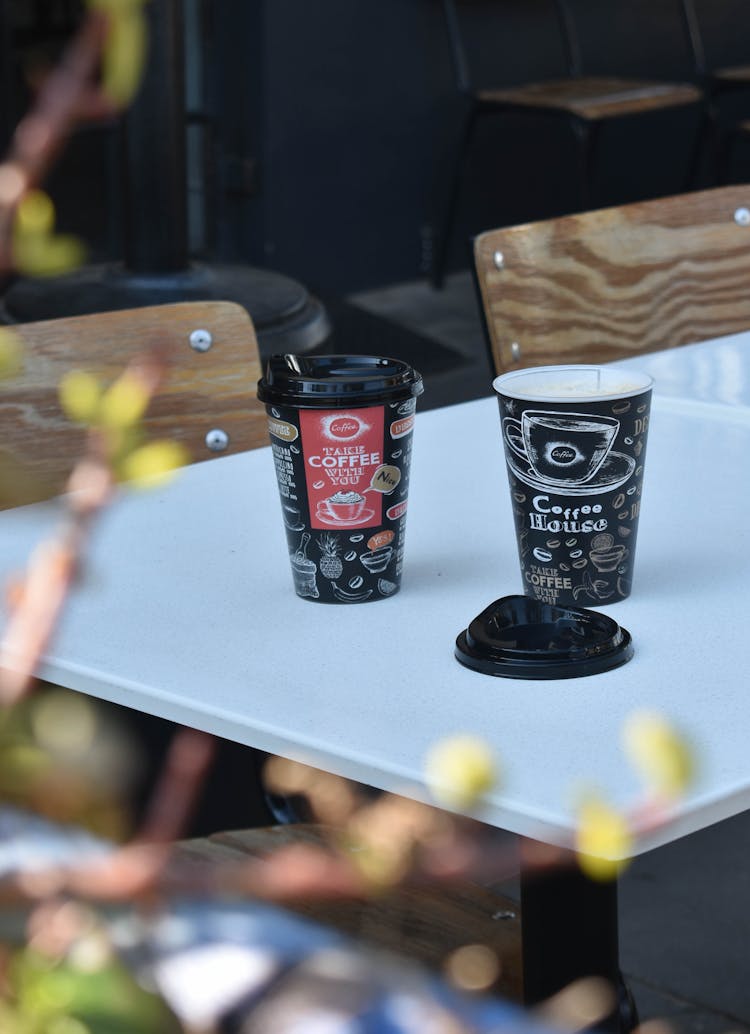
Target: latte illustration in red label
[342,452]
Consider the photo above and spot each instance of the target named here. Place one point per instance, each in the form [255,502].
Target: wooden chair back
[617,282]
[206,389]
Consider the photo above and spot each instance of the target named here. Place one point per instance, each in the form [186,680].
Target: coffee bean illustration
[618,501]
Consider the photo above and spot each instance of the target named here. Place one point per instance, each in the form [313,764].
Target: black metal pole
[154,152]
[569,931]
[7,105]
[156,267]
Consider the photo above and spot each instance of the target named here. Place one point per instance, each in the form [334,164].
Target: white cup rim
[538,383]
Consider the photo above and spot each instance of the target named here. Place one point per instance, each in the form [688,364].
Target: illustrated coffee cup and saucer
[344,510]
[570,451]
[606,554]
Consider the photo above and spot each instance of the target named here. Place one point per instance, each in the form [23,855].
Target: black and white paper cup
[575,449]
[341,430]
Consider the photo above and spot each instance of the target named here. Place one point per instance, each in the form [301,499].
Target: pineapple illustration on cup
[330,565]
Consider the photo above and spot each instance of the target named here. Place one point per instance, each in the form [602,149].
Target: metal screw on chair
[217,440]
[515,351]
[742,216]
[201,340]
[498,260]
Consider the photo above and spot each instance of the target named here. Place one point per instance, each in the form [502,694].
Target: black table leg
[570,931]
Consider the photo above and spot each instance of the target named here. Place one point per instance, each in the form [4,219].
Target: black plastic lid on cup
[330,381]
[520,638]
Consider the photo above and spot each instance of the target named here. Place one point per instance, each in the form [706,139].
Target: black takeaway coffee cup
[341,434]
[575,448]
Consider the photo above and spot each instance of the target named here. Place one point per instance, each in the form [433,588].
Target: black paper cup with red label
[341,433]
[575,449]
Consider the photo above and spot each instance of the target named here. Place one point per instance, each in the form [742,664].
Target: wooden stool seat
[594,98]
[424,924]
[735,74]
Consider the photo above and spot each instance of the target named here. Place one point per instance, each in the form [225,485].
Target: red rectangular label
[342,450]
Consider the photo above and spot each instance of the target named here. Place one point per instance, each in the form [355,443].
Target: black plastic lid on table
[332,381]
[520,638]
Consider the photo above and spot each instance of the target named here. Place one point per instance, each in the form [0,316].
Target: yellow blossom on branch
[460,770]
[124,403]
[660,754]
[37,250]
[80,396]
[125,49]
[115,413]
[603,839]
[153,464]
[35,214]
[11,353]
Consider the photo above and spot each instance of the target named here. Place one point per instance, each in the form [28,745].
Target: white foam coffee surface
[571,382]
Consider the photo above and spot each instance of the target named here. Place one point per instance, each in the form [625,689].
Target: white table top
[187,611]
[710,372]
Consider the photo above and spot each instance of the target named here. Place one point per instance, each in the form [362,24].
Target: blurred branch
[176,793]
[37,598]
[97,76]
[348,862]
[68,95]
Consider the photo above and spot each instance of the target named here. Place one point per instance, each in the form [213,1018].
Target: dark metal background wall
[317,131]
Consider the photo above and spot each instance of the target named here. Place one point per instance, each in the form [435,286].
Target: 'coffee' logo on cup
[563,454]
[343,428]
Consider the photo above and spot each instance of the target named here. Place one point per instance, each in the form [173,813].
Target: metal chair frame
[715,82]
[585,130]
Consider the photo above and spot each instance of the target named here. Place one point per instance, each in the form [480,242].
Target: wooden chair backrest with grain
[205,390]
[617,282]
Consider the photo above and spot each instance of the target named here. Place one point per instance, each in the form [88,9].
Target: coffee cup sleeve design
[575,475]
[341,434]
